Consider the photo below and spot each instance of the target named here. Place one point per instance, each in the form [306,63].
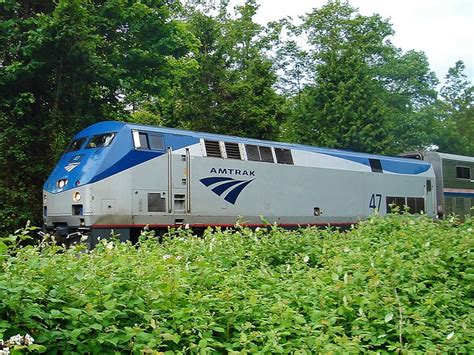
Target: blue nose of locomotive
[90,153]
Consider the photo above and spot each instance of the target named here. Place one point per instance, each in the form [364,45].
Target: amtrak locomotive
[123,177]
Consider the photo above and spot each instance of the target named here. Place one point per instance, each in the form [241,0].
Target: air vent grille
[283,156]
[252,152]
[212,149]
[232,150]
[266,154]
[156,203]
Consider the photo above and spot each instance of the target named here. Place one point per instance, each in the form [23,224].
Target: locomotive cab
[67,194]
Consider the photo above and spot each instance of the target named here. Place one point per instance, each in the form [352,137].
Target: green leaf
[203,344]
[388,317]
[37,348]
[3,247]
[172,337]
[96,326]
[75,333]
[55,313]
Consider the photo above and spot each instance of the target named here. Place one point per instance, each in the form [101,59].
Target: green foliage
[363,93]
[69,63]
[230,90]
[456,110]
[66,64]
[389,284]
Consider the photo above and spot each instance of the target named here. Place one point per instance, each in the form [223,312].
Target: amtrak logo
[226,185]
[71,166]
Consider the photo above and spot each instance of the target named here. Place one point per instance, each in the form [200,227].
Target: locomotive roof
[109,126]
[227,138]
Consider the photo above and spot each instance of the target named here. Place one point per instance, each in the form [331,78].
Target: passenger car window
[76,144]
[101,140]
[463,172]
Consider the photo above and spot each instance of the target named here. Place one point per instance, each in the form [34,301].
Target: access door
[430,198]
[179,184]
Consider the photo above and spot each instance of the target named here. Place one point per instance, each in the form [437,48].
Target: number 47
[375,200]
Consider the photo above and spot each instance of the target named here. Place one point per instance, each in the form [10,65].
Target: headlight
[76,196]
[45,198]
[62,183]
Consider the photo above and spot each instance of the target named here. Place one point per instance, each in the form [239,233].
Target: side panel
[150,192]
[112,202]
[280,193]
[458,192]
[291,194]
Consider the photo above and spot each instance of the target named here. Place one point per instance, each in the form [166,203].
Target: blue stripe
[132,158]
[459,194]
[393,165]
[404,167]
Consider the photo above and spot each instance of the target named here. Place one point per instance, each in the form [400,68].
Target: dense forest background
[333,79]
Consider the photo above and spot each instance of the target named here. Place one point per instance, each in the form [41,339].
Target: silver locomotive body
[160,177]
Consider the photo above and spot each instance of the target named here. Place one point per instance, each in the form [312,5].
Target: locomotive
[122,177]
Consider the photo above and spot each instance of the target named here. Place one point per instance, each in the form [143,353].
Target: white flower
[179,257]
[166,257]
[16,340]
[186,226]
[84,238]
[28,339]
[306,258]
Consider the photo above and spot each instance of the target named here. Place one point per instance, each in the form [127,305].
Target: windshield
[101,140]
[76,144]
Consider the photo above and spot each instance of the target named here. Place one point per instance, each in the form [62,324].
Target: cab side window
[148,141]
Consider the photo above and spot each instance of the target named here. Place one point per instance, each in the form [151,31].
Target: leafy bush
[388,284]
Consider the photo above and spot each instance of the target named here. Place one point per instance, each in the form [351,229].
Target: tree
[66,64]
[365,94]
[230,90]
[456,106]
